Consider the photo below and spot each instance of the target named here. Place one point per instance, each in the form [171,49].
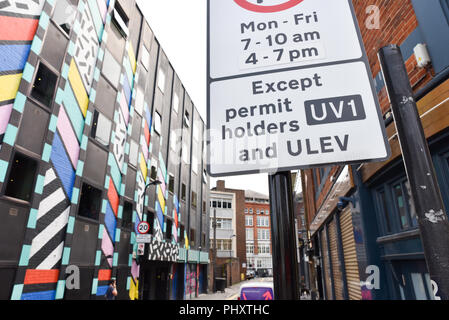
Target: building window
[101,129]
[192,237]
[395,206]
[169,230]
[251,210]
[183,192]
[224,224]
[263,234]
[249,248]
[127,216]
[175,103]
[90,202]
[173,141]
[145,58]
[120,19]
[246,210]
[249,234]
[21,178]
[158,123]
[194,199]
[44,85]
[204,207]
[65,13]
[153,173]
[187,119]
[249,221]
[171,183]
[204,176]
[133,153]
[161,80]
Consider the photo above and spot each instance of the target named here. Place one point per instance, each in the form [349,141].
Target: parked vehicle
[250,274]
[256,291]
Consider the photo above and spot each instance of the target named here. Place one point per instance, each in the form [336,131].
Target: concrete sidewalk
[231,293]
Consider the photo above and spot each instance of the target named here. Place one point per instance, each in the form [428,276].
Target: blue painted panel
[110,222]
[43,295]
[435,29]
[101,291]
[160,214]
[13,57]
[62,165]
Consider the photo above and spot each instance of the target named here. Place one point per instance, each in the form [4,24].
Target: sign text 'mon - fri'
[289,89]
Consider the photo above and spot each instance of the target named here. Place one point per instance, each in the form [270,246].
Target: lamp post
[141,274]
[230,259]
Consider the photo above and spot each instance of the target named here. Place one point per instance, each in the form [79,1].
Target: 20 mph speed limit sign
[143,227]
[289,86]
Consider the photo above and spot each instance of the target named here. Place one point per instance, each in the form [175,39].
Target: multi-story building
[373,235]
[239,266]
[258,233]
[91,114]
[223,236]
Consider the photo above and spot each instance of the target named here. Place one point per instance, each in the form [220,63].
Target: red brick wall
[255,207]
[397,22]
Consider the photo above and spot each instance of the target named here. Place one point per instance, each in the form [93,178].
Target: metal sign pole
[285,261]
[432,216]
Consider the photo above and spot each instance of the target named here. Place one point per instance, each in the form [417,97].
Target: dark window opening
[181,235]
[192,237]
[169,230]
[183,192]
[127,216]
[204,207]
[153,173]
[171,184]
[219,204]
[90,202]
[150,220]
[21,178]
[187,119]
[44,85]
[194,199]
[214,204]
[385,210]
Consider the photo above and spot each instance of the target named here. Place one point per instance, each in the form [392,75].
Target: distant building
[258,233]
[238,242]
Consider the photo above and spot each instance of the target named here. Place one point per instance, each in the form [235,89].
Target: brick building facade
[376,228]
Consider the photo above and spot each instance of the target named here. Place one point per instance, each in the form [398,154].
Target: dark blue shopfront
[390,227]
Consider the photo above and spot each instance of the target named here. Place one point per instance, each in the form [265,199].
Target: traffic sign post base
[283,235]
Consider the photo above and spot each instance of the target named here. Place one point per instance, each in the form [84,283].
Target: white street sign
[143,238]
[289,89]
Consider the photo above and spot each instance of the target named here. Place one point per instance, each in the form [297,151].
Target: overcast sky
[180,27]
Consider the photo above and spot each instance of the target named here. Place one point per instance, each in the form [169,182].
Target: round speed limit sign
[143,227]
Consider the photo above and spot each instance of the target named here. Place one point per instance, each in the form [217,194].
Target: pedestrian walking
[111,293]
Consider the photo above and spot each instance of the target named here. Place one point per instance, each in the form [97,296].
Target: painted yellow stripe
[78,87]
[132,58]
[161,199]
[134,290]
[9,85]
[143,167]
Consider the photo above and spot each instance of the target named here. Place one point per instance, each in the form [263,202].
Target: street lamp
[230,257]
[141,273]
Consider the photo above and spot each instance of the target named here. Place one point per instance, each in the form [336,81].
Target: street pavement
[231,293]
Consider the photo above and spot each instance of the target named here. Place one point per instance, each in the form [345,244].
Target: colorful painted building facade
[92,112]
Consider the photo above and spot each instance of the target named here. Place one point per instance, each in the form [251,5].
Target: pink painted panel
[107,247]
[5,113]
[124,106]
[68,137]
[103,9]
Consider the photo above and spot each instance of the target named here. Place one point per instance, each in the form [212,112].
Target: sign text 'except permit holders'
[289,87]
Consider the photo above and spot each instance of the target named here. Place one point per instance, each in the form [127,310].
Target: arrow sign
[267,295]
